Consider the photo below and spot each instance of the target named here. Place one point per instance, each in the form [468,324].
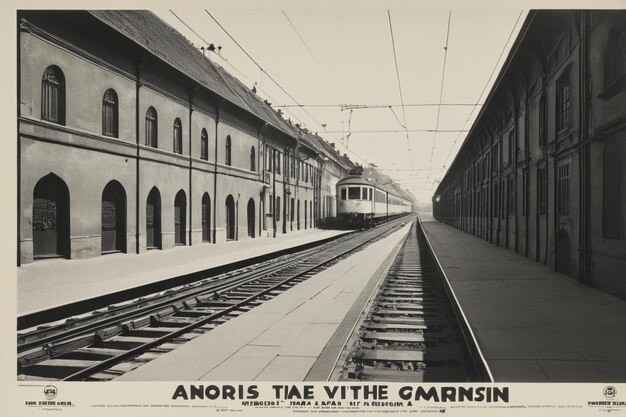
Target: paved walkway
[45,284]
[282,339]
[532,324]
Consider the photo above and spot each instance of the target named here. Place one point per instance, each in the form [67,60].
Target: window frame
[228,151]
[177,135]
[110,118]
[153,120]
[204,145]
[53,93]
[563,102]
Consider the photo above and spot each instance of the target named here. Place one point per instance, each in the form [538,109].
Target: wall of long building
[84,191]
[542,171]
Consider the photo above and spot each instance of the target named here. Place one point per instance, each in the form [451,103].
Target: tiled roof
[162,40]
[147,30]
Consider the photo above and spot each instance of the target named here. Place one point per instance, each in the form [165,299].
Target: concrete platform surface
[283,338]
[54,282]
[532,324]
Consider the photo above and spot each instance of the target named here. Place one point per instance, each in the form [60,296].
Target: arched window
[53,95]
[227,160]
[110,113]
[204,145]
[613,62]
[152,128]
[178,136]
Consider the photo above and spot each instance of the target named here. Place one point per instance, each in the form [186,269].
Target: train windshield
[354,193]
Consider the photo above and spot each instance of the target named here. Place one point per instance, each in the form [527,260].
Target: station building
[130,139]
[542,170]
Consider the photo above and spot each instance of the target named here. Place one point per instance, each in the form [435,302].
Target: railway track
[106,343]
[411,330]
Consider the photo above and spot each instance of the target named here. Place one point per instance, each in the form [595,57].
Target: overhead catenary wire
[375,106]
[300,36]
[395,59]
[443,77]
[475,106]
[231,65]
[221,57]
[269,76]
[399,131]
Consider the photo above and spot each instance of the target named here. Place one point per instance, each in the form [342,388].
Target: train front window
[343,193]
[354,193]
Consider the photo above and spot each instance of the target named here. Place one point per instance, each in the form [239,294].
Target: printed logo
[610,392]
[50,391]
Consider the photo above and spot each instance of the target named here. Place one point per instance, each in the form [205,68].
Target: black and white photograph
[283,208]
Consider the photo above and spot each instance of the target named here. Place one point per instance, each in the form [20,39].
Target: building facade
[542,170]
[130,139]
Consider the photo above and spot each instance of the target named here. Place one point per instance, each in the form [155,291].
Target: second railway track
[106,343]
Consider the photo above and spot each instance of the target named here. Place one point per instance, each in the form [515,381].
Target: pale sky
[328,58]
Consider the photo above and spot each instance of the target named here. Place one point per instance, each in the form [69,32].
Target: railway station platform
[295,336]
[532,324]
[47,284]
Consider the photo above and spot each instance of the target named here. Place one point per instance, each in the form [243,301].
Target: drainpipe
[137,153]
[261,159]
[217,122]
[190,210]
[273,202]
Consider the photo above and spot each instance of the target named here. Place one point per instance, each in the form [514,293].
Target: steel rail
[108,363]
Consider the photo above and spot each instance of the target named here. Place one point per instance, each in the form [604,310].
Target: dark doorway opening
[113,218]
[51,218]
[180,218]
[206,218]
[153,220]
[251,218]
[230,218]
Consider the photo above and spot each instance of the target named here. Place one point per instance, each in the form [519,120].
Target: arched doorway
[305,214]
[113,216]
[292,211]
[180,218]
[51,218]
[251,218]
[230,218]
[562,262]
[206,218]
[153,220]
[298,216]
